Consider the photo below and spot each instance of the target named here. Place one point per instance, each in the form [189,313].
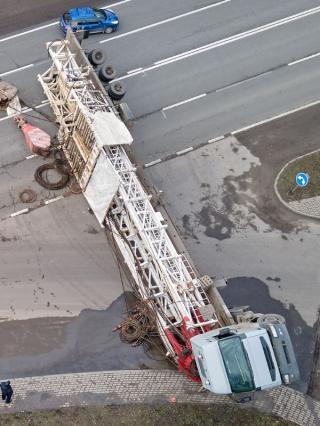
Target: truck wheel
[270,319]
[116,90]
[96,57]
[107,73]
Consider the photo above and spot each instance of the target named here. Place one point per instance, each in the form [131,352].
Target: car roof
[81,12]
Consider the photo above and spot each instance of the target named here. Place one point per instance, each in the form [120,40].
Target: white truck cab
[245,357]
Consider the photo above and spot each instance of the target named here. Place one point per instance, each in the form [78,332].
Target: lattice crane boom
[161,273]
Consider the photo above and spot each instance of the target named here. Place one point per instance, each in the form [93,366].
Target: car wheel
[107,73]
[116,90]
[108,30]
[270,319]
[96,57]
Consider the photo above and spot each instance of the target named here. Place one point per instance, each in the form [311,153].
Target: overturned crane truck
[228,351]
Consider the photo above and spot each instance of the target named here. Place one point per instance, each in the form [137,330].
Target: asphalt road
[194,70]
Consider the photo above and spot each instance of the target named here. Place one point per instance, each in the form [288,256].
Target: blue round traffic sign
[302,179]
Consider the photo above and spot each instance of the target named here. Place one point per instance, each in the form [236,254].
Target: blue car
[89,19]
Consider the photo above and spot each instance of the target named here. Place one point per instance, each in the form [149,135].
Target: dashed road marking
[184,102]
[185,151]
[19,212]
[218,138]
[152,163]
[52,200]
[16,70]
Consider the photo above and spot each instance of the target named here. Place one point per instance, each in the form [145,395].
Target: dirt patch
[137,415]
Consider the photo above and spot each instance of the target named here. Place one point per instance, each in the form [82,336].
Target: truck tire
[116,90]
[107,73]
[270,319]
[96,57]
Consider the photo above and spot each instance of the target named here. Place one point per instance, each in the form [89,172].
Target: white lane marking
[275,117]
[245,34]
[306,58]
[135,70]
[24,110]
[19,212]
[165,21]
[53,24]
[218,138]
[224,41]
[31,156]
[184,102]
[17,69]
[115,4]
[52,200]
[184,151]
[29,31]
[152,163]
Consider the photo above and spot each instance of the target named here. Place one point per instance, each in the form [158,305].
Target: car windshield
[237,364]
[99,13]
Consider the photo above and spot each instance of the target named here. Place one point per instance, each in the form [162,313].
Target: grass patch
[144,415]
[287,183]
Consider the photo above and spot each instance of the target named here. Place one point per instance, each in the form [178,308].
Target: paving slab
[146,386]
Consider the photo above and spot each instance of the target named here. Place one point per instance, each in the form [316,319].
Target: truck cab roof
[239,360]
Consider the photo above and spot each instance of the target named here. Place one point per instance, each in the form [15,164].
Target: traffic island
[298,185]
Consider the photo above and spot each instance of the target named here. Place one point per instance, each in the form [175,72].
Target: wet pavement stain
[241,291]
[91,230]
[276,279]
[187,228]
[217,225]
[67,345]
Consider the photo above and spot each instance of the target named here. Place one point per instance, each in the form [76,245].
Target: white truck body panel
[212,367]
[102,186]
[261,374]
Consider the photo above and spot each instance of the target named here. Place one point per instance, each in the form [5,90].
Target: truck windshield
[237,364]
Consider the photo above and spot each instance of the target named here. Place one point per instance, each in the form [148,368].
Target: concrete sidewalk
[147,386]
